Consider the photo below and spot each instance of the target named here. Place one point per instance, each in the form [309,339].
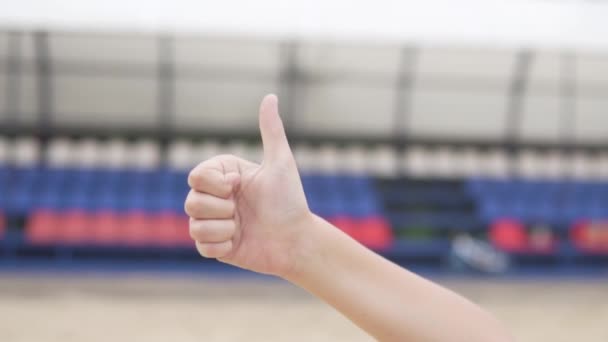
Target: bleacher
[405,147]
[98,199]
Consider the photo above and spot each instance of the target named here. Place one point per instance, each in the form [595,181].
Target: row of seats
[23,178]
[555,202]
[513,236]
[380,160]
[436,220]
[72,200]
[106,228]
[163,229]
[554,212]
[590,236]
[27,189]
[436,205]
[538,189]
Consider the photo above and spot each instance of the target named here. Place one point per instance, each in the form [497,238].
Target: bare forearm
[255,216]
[390,303]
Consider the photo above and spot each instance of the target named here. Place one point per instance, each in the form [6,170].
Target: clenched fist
[249,215]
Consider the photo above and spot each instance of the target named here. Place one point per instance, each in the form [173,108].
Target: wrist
[310,250]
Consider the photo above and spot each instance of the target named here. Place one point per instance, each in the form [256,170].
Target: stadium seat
[73,227]
[590,236]
[541,239]
[181,155]
[41,227]
[508,235]
[105,227]
[417,161]
[136,200]
[374,232]
[183,232]
[164,230]
[50,198]
[136,230]
[26,152]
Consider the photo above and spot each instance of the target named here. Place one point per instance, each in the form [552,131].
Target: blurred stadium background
[455,138]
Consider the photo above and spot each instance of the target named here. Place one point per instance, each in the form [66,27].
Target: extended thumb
[276,147]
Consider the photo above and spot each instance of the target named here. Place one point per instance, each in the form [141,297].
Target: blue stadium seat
[136,200]
[20,203]
[46,199]
[55,177]
[152,201]
[166,201]
[85,199]
[436,248]
[597,210]
[4,185]
[177,202]
[490,209]
[111,199]
[180,183]
[361,208]
[545,210]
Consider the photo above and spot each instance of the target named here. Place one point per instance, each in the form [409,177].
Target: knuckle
[193,177]
[198,174]
[190,206]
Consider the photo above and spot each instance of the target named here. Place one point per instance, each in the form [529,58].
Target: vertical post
[166,75]
[515,105]
[567,90]
[567,108]
[44,85]
[13,79]
[403,100]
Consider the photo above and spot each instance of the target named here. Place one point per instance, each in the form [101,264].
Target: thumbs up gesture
[249,215]
[256,217]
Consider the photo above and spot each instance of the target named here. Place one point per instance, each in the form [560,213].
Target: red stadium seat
[74,227]
[375,232]
[182,224]
[589,236]
[136,230]
[541,240]
[105,227]
[41,227]
[509,235]
[164,230]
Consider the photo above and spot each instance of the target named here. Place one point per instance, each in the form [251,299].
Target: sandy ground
[172,308]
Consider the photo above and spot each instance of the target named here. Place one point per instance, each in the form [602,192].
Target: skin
[256,217]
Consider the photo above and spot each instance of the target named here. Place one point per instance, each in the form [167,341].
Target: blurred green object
[416,232]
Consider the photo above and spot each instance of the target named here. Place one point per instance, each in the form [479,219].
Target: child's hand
[256,217]
[249,215]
